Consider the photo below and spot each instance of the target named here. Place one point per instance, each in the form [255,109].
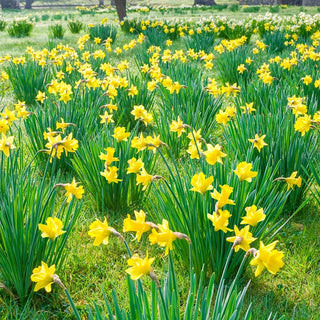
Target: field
[202,124]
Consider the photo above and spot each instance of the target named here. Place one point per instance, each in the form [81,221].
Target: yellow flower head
[108,158]
[120,134]
[72,189]
[177,126]
[134,165]
[214,154]
[8,115]
[200,183]
[242,239]
[293,181]
[253,216]
[258,142]
[223,197]
[139,225]
[163,236]
[243,171]
[303,124]
[220,220]
[111,174]
[52,229]
[6,144]
[100,231]
[267,257]
[4,126]
[139,266]
[43,276]
[144,178]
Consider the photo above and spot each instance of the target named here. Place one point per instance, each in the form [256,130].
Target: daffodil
[267,257]
[6,144]
[243,171]
[139,225]
[109,157]
[73,190]
[139,266]
[223,197]
[134,165]
[43,276]
[254,215]
[214,154]
[220,220]
[120,134]
[177,126]
[144,178]
[100,231]
[242,239]
[200,183]
[52,229]
[163,236]
[111,174]
[258,142]
[293,181]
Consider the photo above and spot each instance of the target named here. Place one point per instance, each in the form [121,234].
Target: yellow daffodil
[100,231]
[111,174]
[242,239]
[6,144]
[214,154]
[163,236]
[52,229]
[243,171]
[223,197]
[73,190]
[43,276]
[177,126]
[134,165]
[220,220]
[144,178]
[139,266]
[267,257]
[108,158]
[200,183]
[139,225]
[258,142]
[253,216]
[303,124]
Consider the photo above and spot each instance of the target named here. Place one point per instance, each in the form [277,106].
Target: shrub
[251,9]
[25,202]
[103,31]
[45,17]
[20,28]
[75,26]
[234,7]
[3,25]
[56,31]
[27,79]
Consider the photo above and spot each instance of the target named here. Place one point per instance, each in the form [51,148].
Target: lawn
[162,65]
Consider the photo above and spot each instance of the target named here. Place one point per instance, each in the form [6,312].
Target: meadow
[164,167]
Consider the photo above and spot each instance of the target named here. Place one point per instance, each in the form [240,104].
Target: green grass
[294,291]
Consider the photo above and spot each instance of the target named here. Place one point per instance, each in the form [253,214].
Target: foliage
[25,201]
[75,26]
[20,28]
[56,31]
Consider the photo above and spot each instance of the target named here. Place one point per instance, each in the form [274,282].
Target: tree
[28,4]
[101,3]
[121,6]
[204,2]
[10,4]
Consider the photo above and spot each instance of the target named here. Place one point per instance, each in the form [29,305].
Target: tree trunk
[28,4]
[121,6]
[204,2]
[101,3]
[10,4]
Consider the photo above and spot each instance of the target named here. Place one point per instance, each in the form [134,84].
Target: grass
[294,292]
